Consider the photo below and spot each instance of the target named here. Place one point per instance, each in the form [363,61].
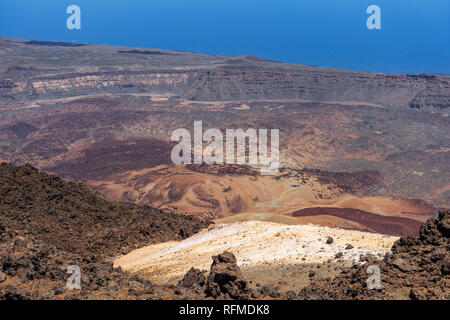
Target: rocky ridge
[417,268]
[47,225]
[184,74]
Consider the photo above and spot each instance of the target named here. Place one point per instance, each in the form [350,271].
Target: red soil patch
[395,226]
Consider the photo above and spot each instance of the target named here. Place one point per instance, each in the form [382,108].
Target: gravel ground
[256,245]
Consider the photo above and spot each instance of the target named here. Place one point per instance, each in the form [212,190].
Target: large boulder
[225,279]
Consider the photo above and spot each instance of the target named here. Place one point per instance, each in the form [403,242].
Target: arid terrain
[47,225]
[103,115]
[364,160]
[268,252]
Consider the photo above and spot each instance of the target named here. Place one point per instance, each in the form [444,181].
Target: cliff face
[324,85]
[96,82]
[98,69]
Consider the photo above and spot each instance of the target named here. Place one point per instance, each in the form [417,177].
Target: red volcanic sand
[395,226]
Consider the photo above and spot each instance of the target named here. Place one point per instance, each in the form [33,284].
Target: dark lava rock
[402,265]
[180,291]
[338,255]
[75,218]
[193,278]
[417,268]
[270,291]
[290,295]
[225,278]
[444,225]
[311,274]
[418,294]
[47,225]
[10,292]
[330,240]
[32,262]
[349,247]
[255,293]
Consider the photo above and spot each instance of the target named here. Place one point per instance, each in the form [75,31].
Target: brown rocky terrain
[47,224]
[225,278]
[359,153]
[33,262]
[417,268]
[74,218]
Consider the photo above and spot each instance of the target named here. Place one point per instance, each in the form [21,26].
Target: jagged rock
[37,247]
[180,291]
[193,277]
[418,294]
[225,278]
[402,265]
[29,201]
[368,258]
[417,268]
[255,293]
[349,247]
[291,295]
[135,286]
[444,225]
[12,293]
[270,291]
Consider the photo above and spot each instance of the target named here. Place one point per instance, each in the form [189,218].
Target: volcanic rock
[270,291]
[193,278]
[74,218]
[291,295]
[225,278]
[417,268]
[47,225]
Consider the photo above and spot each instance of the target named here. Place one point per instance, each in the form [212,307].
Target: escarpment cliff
[89,69]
